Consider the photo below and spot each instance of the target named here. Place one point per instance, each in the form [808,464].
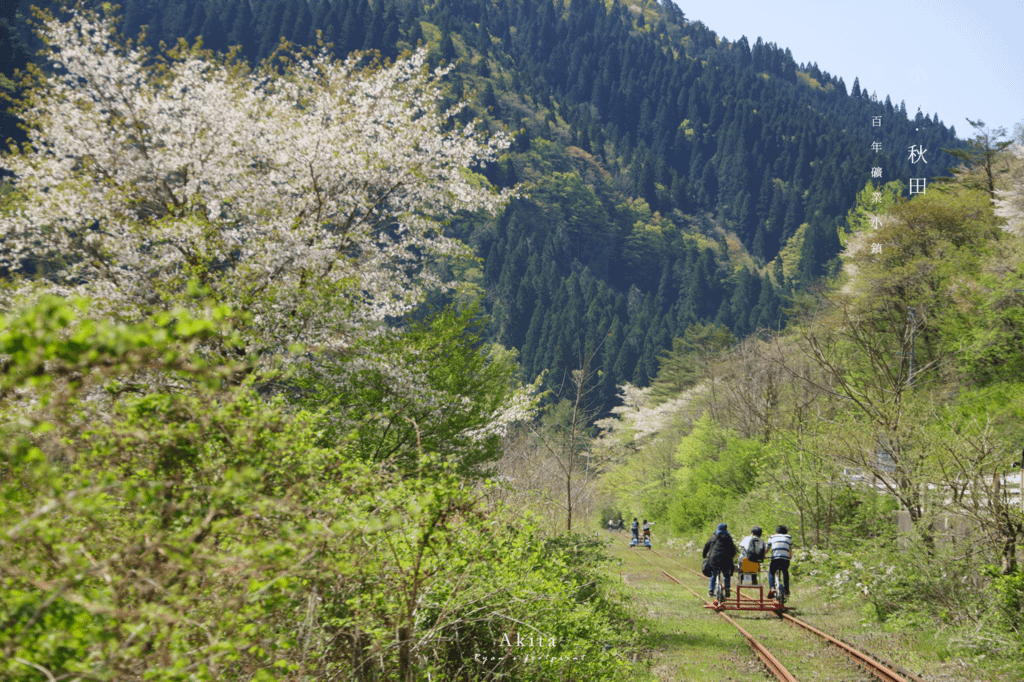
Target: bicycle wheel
[719,590]
[780,589]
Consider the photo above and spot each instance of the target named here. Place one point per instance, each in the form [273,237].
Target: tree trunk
[803,527]
[817,519]
[360,661]
[1009,558]
[405,672]
[568,501]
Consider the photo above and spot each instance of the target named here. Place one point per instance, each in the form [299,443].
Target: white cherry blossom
[312,198]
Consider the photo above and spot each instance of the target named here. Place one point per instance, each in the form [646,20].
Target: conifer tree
[272,28]
[375,27]
[303,29]
[353,30]
[981,152]
[242,31]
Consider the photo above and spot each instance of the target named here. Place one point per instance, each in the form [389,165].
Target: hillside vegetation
[670,177]
[313,366]
[896,386]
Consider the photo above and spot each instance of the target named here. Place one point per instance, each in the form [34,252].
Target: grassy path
[692,643]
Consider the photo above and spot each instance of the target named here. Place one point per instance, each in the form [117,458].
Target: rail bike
[748,593]
[641,542]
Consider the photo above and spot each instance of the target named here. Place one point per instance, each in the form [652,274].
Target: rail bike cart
[748,596]
[642,542]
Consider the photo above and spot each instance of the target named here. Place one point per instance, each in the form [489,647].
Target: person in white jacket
[752,548]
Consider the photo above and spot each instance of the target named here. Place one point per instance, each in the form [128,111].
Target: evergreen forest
[669,177]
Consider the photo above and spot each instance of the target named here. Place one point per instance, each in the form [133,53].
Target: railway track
[877,669]
[882,670]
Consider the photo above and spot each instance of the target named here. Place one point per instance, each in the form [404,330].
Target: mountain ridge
[676,177]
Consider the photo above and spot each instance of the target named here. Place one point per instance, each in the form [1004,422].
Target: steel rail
[882,670]
[773,664]
[874,666]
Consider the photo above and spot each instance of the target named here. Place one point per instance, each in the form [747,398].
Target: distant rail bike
[641,542]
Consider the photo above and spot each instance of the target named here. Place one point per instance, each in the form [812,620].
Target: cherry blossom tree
[311,195]
[1009,202]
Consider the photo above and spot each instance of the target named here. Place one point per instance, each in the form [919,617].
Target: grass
[690,643]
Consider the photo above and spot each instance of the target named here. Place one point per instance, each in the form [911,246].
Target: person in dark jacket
[635,527]
[720,551]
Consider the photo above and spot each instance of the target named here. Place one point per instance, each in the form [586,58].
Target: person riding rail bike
[720,551]
[752,551]
[780,549]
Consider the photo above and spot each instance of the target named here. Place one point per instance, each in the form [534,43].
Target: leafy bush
[717,468]
[1009,591]
[199,531]
[896,580]
[903,586]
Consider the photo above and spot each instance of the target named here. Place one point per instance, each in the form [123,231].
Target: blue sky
[960,59]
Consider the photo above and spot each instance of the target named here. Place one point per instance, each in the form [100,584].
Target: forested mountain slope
[670,177]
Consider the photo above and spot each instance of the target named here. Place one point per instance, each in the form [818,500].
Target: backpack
[705,567]
[757,550]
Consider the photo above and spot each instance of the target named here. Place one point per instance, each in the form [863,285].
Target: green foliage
[857,515]
[716,467]
[705,340]
[999,404]
[643,480]
[906,585]
[610,513]
[859,218]
[790,255]
[1009,590]
[932,246]
[469,395]
[677,371]
[579,614]
[202,532]
[981,154]
[929,242]
[986,329]
[51,340]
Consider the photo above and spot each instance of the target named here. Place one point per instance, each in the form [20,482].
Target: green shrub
[200,531]
[1009,591]
[716,469]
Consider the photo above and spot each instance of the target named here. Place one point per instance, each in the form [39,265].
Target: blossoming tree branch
[310,195]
